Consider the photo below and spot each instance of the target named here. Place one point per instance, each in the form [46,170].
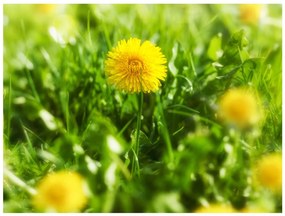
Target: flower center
[57,195]
[135,66]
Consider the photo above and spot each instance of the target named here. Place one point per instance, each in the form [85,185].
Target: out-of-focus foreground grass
[65,126]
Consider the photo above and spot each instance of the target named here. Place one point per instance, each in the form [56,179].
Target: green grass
[59,109]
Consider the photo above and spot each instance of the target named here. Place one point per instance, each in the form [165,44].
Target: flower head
[134,66]
[215,208]
[61,192]
[239,107]
[268,171]
[250,13]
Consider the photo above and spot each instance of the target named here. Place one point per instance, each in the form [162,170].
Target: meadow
[198,130]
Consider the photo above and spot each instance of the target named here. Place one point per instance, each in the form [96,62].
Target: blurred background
[59,110]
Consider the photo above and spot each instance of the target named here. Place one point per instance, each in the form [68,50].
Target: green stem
[135,162]
[139,123]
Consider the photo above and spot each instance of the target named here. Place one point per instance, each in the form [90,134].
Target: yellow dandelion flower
[215,208]
[268,172]
[250,13]
[134,66]
[239,107]
[61,192]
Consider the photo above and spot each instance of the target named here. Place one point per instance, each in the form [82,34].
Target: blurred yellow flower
[134,66]
[215,208]
[268,171]
[60,192]
[250,13]
[46,8]
[239,107]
